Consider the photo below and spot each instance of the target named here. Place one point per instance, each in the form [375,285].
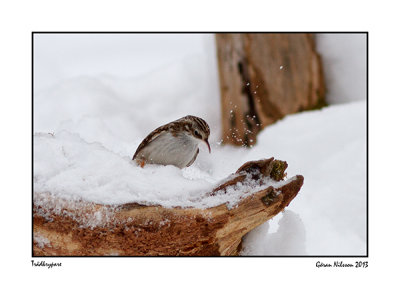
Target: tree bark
[66,229]
[263,77]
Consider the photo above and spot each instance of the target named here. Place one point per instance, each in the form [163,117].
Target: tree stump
[263,77]
[85,229]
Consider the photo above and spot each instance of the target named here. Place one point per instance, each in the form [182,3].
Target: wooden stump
[85,229]
[263,77]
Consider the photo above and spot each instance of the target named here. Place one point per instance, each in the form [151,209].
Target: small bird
[175,143]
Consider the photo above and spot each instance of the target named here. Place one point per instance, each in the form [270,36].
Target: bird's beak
[206,141]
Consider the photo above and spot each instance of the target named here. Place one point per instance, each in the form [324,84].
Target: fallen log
[78,228]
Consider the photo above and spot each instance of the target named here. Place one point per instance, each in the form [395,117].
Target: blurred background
[151,79]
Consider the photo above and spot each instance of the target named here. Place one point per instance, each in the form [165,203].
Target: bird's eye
[196,133]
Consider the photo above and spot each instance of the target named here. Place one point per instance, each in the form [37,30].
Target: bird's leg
[141,163]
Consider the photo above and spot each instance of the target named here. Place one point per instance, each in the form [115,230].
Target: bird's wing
[151,137]
[193,159]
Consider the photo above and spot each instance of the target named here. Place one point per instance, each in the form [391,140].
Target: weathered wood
[263,77]
[137,230]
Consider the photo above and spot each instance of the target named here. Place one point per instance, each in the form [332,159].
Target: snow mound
[68,167]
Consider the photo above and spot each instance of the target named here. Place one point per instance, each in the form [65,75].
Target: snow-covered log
[66,228]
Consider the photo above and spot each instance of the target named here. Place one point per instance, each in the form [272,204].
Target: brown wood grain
[263,77]
[138,230]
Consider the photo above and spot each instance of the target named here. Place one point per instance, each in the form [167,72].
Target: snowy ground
[101,95]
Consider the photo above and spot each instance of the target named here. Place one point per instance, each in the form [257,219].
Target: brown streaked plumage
[175,143]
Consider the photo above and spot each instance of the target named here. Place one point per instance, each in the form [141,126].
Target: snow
[68,167]
[97,96]
[290,239]
[344,58]
[332,201]
[41,241]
